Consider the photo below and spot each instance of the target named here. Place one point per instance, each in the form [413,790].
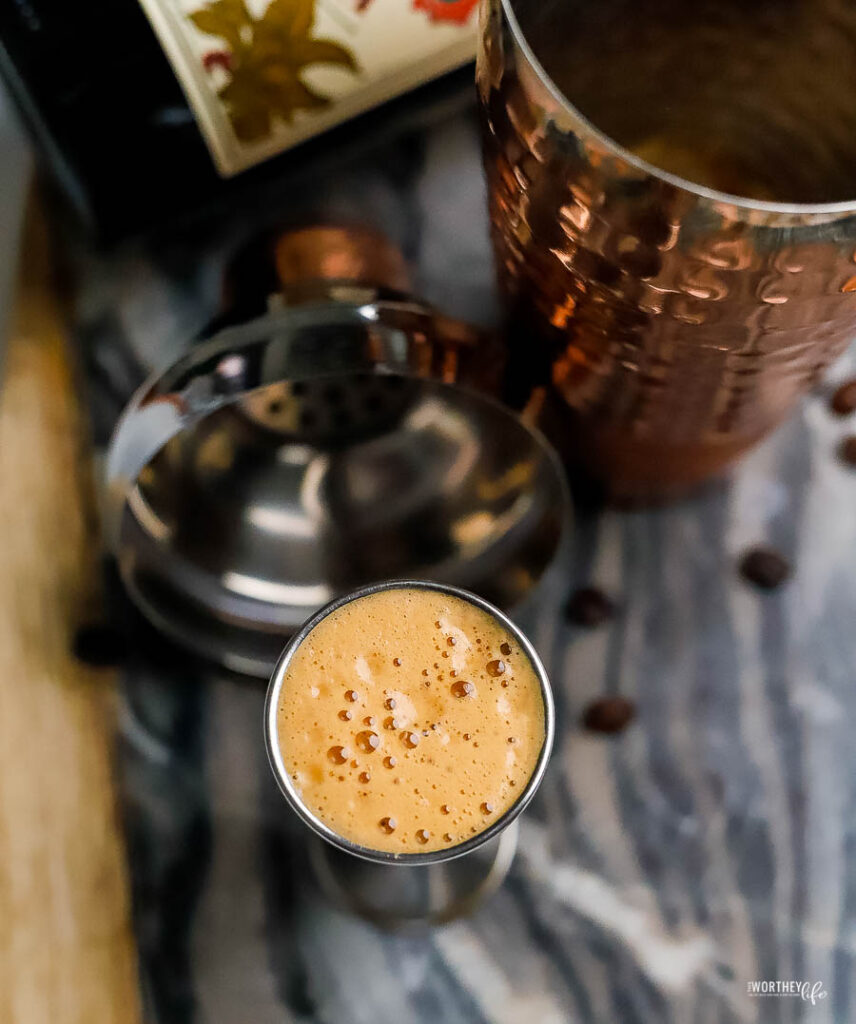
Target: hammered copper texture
[678,327]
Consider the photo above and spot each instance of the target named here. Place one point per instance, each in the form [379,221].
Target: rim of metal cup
[841,206]
[383,856]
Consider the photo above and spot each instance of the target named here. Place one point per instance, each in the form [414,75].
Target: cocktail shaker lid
[350,436]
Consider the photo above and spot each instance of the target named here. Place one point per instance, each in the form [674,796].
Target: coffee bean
[847,451]
[843,402]
[99,645]
[765,567]
[609,714]
[589,607]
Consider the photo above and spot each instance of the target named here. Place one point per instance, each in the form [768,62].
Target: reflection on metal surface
[289,595]
[343,468]
[674,325]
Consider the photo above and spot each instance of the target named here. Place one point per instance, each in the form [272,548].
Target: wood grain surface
[66,949]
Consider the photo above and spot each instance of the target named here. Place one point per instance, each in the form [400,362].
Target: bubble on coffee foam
[368,741]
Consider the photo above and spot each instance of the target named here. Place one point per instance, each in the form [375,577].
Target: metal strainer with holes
[348,436]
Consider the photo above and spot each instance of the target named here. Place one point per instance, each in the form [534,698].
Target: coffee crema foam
[410,720]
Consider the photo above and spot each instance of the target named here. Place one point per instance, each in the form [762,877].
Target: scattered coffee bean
[609,714]
[765,567]
[589,607]
[844,399]
[847,451]
[99,645]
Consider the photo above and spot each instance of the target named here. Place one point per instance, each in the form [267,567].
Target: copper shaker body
[672,326]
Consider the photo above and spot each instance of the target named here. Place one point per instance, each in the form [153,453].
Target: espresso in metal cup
[344,656]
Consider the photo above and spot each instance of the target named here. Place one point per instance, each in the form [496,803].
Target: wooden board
[66,949]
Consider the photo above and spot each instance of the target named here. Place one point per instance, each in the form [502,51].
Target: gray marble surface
[710,845]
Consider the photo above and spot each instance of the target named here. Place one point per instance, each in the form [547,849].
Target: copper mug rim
[316,824]
[801,210]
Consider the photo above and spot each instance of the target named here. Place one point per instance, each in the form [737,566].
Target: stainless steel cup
[672,194]
[371,882]
[350,435]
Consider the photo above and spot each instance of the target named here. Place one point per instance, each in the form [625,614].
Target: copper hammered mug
[672,196]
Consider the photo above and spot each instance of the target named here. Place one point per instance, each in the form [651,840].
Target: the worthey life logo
[809,991]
